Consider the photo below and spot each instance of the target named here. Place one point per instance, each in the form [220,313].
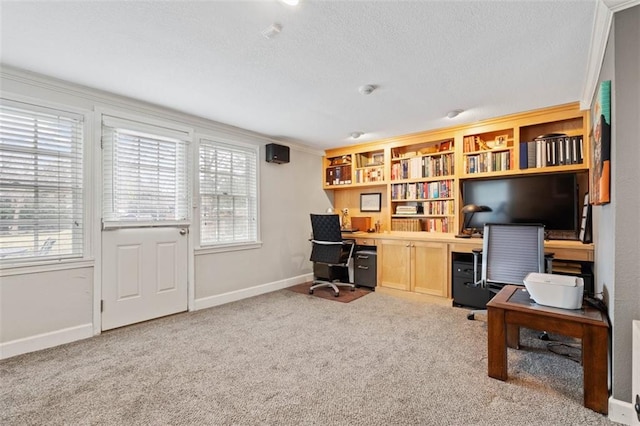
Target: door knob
[183,232]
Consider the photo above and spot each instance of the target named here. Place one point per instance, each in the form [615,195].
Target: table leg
[595,343]
[497,344]
[513,336]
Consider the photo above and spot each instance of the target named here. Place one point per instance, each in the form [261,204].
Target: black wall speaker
[277,153]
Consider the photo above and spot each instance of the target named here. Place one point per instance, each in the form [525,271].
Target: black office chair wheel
[310,291]
[336,293]
[544,336]
[353,289]
[471,317]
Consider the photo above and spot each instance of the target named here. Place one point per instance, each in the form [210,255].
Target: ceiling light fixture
[454,113]
[291,2]
[356,135]
[367,89]
[272,30]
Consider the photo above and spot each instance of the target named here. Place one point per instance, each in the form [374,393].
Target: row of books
[488,162]
[426,224]
[438,225]
[370,174]
[551,151]
[419,167]
[338,175]
[422,190]
[412,225]
[433,208]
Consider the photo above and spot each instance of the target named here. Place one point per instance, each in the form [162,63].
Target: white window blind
[41,183]
[145,174]
[228,193]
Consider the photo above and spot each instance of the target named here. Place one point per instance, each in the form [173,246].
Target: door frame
[95,129]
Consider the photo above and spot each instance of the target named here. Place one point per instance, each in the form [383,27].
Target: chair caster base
[471,317]
[544,336]
[310,291]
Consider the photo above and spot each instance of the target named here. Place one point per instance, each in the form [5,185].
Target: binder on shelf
[524,155]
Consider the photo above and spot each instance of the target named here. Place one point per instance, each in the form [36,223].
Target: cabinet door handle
[363,257]
[408,245]
[362,267]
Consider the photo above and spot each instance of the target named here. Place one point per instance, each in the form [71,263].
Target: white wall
[47,305]
[45,308]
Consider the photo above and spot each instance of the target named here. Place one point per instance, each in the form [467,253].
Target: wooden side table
[512,308]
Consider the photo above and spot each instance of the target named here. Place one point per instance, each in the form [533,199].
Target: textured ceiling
[210,59]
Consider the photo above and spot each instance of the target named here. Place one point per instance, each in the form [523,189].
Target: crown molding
[603,18]
[618,5]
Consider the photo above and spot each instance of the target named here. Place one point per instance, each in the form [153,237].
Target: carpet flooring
[285,358]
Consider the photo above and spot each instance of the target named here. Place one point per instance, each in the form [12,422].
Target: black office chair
[331,251]
[509,253]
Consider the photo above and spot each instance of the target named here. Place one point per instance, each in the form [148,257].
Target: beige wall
[618,224]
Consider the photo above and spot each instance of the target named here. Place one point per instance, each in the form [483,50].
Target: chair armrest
[328,243]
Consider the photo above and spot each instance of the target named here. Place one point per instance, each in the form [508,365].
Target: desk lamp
[468,211]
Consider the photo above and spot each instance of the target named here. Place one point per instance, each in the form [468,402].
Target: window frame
[82,200]
[160,129]
[208,248]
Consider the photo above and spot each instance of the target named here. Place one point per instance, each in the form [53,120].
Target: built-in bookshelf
[556,143]
[420,174]
[338,170]
[422,189]
[488,152]
[369,167]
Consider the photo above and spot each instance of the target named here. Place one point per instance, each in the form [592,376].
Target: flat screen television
[550,199]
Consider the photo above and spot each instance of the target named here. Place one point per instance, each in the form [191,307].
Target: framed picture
[371,202]
[501,140]
[601,145]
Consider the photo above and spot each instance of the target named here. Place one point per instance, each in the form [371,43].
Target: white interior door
[144,274]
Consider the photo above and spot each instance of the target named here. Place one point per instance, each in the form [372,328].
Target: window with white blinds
[41,183]
[228,193]
[145,174]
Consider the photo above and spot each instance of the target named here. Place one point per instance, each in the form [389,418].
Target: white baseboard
[621,412]
[45,340]
[232,296]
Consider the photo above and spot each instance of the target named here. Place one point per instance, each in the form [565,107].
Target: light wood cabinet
[415,266]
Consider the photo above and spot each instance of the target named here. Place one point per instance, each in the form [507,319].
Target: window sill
[223,248]
[44,266]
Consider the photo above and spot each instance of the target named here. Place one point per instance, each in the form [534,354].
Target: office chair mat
[346,295]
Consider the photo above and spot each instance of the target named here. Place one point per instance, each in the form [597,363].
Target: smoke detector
[272,30]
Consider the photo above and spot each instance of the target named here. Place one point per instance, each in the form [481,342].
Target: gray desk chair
[331,251]
[509,252]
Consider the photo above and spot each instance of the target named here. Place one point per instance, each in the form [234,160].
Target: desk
[511,308]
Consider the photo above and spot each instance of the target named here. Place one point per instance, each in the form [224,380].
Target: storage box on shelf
[488,152]
[423,187]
